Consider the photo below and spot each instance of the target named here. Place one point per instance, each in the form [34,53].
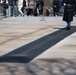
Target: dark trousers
[41,11]
[4,11]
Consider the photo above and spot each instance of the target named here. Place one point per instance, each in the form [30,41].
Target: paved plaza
[37,46]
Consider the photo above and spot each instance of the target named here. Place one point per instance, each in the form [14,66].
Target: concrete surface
[47,46]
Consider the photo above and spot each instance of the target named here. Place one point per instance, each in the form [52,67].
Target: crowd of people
[57,7]
[18,7]
[69,10]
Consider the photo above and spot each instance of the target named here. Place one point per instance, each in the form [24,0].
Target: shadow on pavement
[28,52]
[52,67]
[40,67]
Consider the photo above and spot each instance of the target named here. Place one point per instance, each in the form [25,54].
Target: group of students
[11,7]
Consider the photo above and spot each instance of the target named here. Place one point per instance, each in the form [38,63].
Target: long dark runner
[28,52]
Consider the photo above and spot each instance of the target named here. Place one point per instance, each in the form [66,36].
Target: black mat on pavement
[31,50]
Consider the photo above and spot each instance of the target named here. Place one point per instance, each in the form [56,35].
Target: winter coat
[4,3]
[68,10]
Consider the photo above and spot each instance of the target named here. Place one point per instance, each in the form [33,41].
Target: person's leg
[54,13]
[7,12]
[31,12]
[4,11]
[60,11]
[28,11]
[9,8]
[68,25]
[22,9]
[42,12]
[39,12]
[14,10]
[21,12]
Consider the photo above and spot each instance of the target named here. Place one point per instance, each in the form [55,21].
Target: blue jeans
[14,10]
[68,24]
[60,11]
[4,11]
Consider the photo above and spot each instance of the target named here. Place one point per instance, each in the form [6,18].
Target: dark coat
[12,2]
[68,10]
[4,4]
[39,4]
[55,5]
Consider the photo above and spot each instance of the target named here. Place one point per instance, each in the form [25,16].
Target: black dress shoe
[68,28]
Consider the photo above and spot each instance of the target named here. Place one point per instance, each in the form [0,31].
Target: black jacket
[68,10]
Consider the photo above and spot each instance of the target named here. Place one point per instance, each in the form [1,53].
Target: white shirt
[20,3]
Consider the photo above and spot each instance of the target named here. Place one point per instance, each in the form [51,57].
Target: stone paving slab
[39,67]
[22,31]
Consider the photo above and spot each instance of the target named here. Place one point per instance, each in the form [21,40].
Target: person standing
[31,7]
[10,6]
[68,12]
[40,6]
[20,5]
[60,7]
[55,7]
[14,7]
[4,4]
